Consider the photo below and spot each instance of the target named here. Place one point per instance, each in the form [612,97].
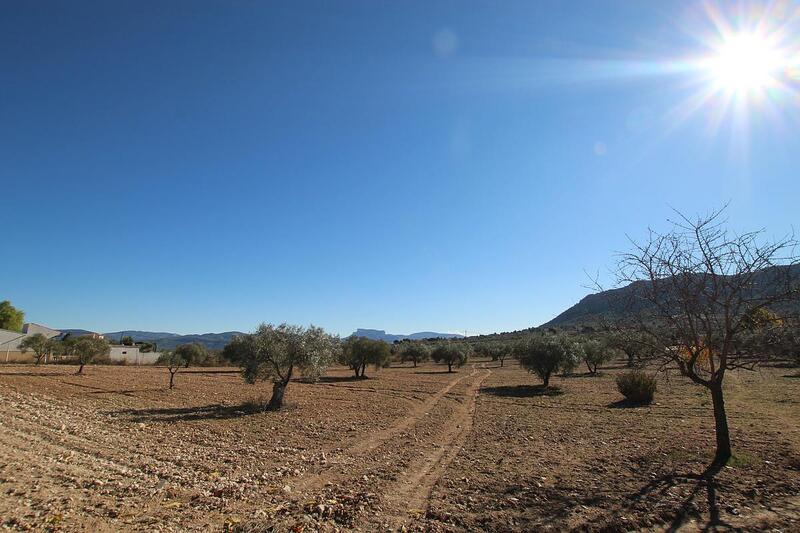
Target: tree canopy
[192,353]
[87,349]
[543,355]
[11,318]
[358,352]
[452,354]
[413,351]
[274,352]
[39,345]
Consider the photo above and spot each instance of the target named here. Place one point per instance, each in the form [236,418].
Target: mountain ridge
[380,334]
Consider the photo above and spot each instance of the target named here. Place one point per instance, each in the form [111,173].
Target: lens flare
[746,63]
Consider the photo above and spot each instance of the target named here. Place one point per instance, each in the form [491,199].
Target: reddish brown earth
[416,449]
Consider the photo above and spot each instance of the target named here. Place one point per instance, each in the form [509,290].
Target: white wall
[132,355]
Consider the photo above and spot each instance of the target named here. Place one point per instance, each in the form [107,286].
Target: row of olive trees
[83,350]
[277,353]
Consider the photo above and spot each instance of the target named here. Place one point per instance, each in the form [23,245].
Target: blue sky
[204,166]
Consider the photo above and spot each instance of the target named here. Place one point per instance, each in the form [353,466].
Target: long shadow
[434,372]
[340,379]
[194,371]
[37,374]
[129,392]
[583,375]
[626,404]
[796,376]
[177,414]
[522,391]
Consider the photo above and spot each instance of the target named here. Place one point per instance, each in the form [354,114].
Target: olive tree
[452,354]
[595,353]
[274,352]
[496,351]
[192,353]
[173,361]
[39,345]
[358,352]
[631,342]
[415,352]
[87,349]
[703,284]
[543,355]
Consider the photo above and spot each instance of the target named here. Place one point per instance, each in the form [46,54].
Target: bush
[637,387]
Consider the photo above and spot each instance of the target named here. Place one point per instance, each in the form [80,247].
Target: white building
[10,341]
[132,355]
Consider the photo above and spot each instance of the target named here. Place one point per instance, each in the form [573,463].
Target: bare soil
[415,449]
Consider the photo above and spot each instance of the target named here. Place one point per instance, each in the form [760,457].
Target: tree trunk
[363,369]
[278,391]
[723,452]
[80,369]
[546,380]
[415,362]
[502,359]
[171,378]
[449,366]
[631,361]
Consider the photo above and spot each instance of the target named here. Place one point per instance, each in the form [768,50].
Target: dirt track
[415,448]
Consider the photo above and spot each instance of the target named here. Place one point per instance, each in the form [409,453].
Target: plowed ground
[408,448]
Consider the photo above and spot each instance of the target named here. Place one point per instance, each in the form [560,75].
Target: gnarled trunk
[278,392]
[80,369]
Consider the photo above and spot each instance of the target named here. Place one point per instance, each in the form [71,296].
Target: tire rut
[408,499]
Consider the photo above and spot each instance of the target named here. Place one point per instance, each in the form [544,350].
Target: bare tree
[174,361]
[695,290]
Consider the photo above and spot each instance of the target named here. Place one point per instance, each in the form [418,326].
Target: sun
[745,63]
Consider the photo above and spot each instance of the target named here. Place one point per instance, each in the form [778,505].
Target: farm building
[10,341]
[132,355]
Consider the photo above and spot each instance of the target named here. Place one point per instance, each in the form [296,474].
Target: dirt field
[420,449]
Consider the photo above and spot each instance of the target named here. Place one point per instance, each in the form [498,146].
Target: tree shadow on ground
[434,372]
[796,376]
[340,379]
[522,391]
[196,371]
[204,412]
[626,404]
[583,375]
[38,374]
[703,485]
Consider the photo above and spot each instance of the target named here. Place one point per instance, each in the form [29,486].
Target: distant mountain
[74,332]
[612,304]
[165,340]
[146,336]
[379,334]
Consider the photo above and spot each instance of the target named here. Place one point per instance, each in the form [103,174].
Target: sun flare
[745,63]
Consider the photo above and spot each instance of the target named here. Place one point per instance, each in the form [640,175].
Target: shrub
[637,387]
